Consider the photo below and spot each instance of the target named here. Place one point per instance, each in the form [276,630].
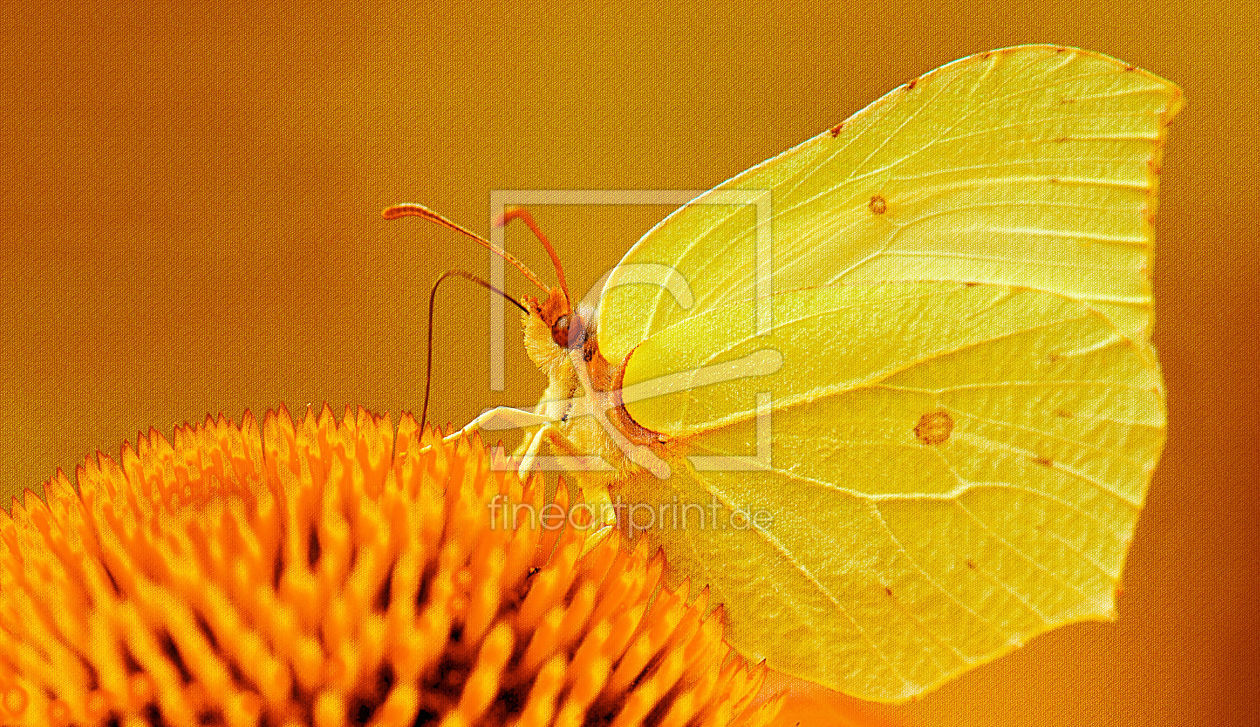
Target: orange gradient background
[190,224]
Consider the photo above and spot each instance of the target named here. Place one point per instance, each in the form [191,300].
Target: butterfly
[889,395]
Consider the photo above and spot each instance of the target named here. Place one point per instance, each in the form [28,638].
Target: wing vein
[788,557]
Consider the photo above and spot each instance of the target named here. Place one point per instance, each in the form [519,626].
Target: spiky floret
[333,573]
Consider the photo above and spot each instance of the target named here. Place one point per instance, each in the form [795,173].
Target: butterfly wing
[963,426]
[939,472]
[1033,166]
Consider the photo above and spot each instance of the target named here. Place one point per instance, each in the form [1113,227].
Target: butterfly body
[583,397]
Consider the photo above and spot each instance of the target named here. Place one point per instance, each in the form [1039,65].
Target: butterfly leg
[531,449]
[502,418]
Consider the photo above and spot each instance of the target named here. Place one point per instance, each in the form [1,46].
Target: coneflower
[334,573]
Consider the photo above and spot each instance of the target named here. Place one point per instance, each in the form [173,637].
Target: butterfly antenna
[428,359]
[416,210]
[520,213]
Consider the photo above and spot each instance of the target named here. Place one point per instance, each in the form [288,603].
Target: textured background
[189,223]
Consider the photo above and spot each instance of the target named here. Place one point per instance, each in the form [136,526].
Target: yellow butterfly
[890,394]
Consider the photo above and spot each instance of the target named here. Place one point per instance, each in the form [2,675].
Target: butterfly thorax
[583,393]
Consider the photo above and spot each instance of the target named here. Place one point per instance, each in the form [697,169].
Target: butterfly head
[568,327]
[556,330]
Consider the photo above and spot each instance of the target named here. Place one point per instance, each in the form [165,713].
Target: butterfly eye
[569,331]
[560,331]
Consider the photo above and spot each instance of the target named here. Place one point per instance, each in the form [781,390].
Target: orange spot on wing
[934,427]
[1043,461]
[835,130]
[878,205]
